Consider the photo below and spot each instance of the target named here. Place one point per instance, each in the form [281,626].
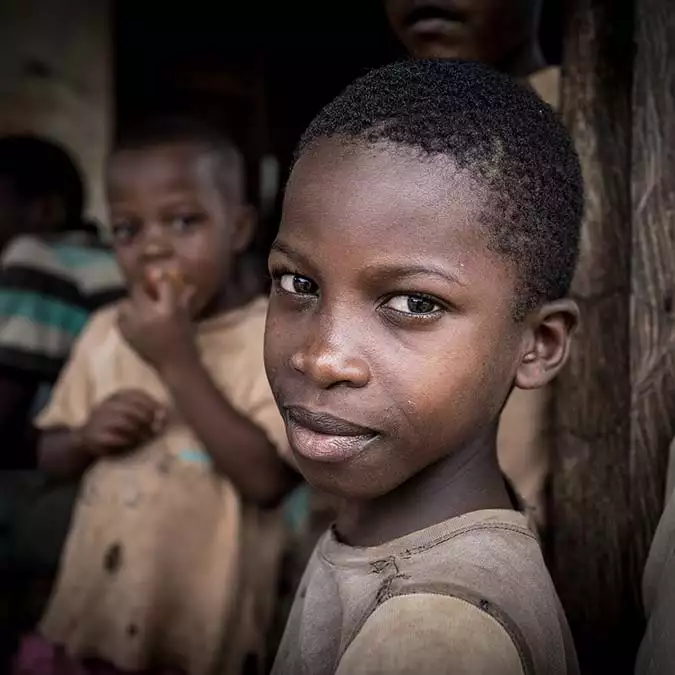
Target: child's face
[481,30]
[169,214]
[390,338]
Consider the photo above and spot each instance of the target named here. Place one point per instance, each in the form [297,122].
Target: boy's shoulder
[425,632]
[472,554]
[483,569]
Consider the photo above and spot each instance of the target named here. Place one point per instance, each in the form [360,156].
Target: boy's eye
[413,304]
[185,222]
[297,284]
[124,231]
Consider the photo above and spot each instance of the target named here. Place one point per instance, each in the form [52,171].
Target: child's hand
[122,422]
[159,330]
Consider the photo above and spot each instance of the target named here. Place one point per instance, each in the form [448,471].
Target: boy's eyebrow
[289,251]
[391,271]
[410,270]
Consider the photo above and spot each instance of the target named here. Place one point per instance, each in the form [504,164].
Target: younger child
[429,234]
[170,561]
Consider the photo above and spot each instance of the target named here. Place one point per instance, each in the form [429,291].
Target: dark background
[262,70]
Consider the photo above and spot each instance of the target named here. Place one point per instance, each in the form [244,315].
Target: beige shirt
[521,444]
[164,563]
[468,596]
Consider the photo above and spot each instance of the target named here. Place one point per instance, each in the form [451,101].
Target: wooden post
[613,411]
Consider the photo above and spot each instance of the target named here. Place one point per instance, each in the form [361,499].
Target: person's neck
[523,61]
[465,481]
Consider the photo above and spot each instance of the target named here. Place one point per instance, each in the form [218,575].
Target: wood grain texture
[590,530]
[653,263]
[613,411]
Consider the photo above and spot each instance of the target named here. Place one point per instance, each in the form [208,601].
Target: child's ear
[548,343]
[244,227]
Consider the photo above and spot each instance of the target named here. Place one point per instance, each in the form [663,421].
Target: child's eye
[418,305]
[297,284]
[185,222]
[124,231]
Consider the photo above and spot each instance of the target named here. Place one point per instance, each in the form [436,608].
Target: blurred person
[54,272]
[164,409]
[503,34]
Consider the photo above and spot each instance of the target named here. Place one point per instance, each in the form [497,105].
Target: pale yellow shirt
[164,562]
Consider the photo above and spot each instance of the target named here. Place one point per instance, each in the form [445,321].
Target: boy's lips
[325,438]
[432,19]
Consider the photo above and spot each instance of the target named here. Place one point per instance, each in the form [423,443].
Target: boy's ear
[547,345]
[244,227]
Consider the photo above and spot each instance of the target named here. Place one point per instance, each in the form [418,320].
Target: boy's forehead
[363,213]
[382,190]
[170,163]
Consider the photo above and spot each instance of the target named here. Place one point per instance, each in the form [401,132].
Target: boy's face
[480,30]
[390,338]
[169,214]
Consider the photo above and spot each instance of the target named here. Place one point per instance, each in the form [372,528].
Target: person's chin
[434,49]
[358,478]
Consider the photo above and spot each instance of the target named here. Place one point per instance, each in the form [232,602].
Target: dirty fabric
[471,594]
[164,564]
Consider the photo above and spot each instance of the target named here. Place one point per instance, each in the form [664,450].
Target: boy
[171,560]
[503,34]
[429,233]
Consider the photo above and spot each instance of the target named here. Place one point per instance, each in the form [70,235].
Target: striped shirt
[48,290]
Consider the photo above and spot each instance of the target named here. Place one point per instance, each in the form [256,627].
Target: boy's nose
[329,361]
[154,250]
[156,244]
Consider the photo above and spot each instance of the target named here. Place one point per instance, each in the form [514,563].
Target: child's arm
[61,455]
[118,424]
[238,447]
[75,428]
[161,332]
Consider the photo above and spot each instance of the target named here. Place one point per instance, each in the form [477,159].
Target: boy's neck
[468,480]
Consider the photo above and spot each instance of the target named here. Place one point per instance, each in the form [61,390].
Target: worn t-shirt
[470,595]
[164,563]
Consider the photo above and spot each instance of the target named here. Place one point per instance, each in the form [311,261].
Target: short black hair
[498,131]
[168,129]
[35,167]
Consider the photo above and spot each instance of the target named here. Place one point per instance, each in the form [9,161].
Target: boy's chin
[349,480]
